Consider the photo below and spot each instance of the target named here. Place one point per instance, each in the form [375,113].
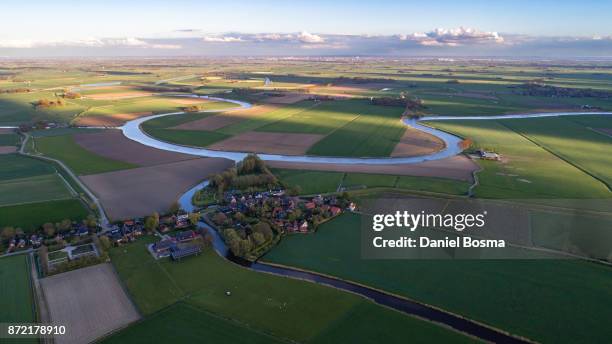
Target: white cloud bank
[302,37]
[453,37]
[129,42]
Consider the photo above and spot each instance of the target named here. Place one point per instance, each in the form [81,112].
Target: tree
[64,226]
[90,221]
[8,233]
[152,222]
[105,242]
[258,238]
[219,218]
[49,229]
[264,229]
[174,208]
[194,218]
[294,190]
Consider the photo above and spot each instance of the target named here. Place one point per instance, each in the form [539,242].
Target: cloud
[302,37]
[453,37]
[222,39]
[306,37]
[130,42]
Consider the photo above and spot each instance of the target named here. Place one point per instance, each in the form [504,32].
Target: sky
[314,27]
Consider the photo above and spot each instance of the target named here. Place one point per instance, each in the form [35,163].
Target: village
[251,223]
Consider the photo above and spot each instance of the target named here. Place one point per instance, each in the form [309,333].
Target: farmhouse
[163,248]
[185,236]
[186,251]
[489,155]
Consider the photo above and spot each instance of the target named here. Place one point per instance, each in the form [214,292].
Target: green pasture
[31,216]
[33,189]
[80,160]
[528,170]
[524,297]
[258,301]
[16,302]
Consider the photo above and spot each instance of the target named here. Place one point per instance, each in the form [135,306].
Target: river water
[133,131]
[403,305]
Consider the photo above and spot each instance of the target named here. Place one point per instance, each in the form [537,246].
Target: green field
[31,216]
[14,166]
[184,323]
[490,291]
[580,146]
[530,170]
[33,189]
[316,182]
[9,139]
[375,132]
[259,121]
[80,160]
[311,182]
[258,301]
[32,193]
[16,303]
[198,138]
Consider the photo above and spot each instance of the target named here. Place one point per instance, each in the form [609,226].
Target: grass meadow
[80,160]
[530,170]
[490,291]
[32,192]
[16,302]
[260,302]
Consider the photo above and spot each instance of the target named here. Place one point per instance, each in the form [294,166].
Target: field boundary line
[289,267]
[100,209]
[560,156]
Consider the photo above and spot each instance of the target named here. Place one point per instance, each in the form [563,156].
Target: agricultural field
[33,192]
[535,290]
[89,301]
[531,169]
[318,182]
[80,160]
[258,301]
[31,216]
[17,303]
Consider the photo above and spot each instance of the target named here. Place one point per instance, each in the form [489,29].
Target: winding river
[403,305]
[133,131]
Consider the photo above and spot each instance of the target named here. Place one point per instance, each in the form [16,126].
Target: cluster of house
[127,231]
[36,240]
[130,230]
[177,246]
[172,222]
[22,242]
[291,214]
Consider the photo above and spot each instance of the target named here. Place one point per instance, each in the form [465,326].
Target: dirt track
[457,167]
[266,142]
[113,120]
[415,142]
[141,191]
[90,302]
[113,144]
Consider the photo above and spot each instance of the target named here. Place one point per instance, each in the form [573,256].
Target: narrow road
[104,222]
